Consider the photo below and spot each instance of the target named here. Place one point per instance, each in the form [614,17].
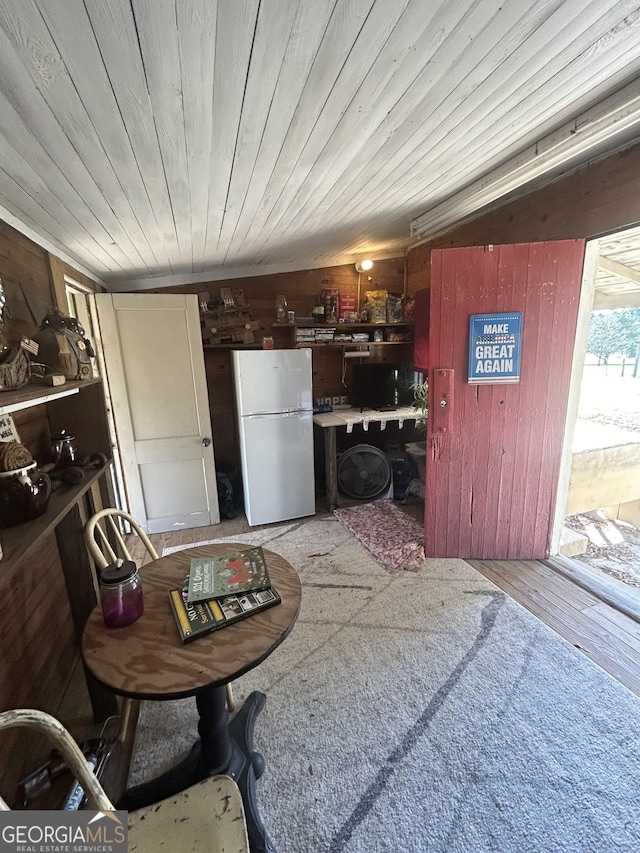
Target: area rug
[391,536]
[423,711]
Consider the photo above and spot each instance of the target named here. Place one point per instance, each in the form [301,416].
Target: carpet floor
[423,711]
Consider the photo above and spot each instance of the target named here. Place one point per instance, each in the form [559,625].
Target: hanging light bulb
[362,266]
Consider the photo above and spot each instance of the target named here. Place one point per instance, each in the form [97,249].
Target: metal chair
[207,816]
[105,546]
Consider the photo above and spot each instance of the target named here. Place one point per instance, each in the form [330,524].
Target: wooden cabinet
[46,581]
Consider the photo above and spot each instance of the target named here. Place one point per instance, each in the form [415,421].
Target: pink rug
[392,537]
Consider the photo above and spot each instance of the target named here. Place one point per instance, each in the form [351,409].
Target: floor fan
[365,473]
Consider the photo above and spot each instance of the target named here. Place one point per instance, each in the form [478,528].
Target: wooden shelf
[255,345]
[19,541]
[342,326]
[343,329]
[320,344]
[34,394]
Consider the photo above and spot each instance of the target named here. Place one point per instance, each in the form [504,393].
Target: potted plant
[418,448]
[421,403]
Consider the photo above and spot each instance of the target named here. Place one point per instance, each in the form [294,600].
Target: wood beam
[56,277]
[617,268]
[616,299]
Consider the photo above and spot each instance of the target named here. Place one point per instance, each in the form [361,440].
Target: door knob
[206,442]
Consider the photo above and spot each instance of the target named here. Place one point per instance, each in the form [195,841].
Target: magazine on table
[241,570]
[195,619]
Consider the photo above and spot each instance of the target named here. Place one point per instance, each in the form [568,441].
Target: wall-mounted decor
[8,431]
[494,348]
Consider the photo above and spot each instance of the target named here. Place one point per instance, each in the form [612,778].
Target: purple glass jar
[63,449]
[24,495]
[120,594]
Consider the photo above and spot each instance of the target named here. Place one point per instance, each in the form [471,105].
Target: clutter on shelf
[62,346]
[380,306]
[330,297]
[348,307]
[281,308]
[339,335]
[15,368]
[375,306]
[332,306]
[24,489]
[227,319]
[409,307]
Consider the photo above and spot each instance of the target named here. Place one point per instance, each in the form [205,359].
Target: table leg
[224,747]
[331,467]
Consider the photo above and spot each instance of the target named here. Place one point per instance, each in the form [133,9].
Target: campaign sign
[494,348]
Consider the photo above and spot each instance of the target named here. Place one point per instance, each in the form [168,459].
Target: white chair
[105,546]
[207,816]
[105,552]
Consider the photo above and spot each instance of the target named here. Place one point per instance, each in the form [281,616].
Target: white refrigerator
[275,421]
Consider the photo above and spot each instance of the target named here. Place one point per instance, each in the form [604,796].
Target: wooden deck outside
[611,639]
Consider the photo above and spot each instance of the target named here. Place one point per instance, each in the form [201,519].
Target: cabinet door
[156,375]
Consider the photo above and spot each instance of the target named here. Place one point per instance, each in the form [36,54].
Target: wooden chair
[105,548]
[207,816]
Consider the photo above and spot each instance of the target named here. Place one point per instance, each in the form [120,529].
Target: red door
[494,450]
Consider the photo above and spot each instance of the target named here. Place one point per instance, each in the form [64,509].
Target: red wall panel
[421,331]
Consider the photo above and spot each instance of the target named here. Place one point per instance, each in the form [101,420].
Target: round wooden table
[147,660]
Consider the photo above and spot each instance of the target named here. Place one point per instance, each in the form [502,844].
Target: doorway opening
[81,305]
[602,524]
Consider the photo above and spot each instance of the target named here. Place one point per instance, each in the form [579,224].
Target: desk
[146,660]
[346,418]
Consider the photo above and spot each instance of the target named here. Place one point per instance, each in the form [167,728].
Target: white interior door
[155,370]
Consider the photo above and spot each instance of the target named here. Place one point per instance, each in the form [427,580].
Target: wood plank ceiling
[199,139]
[618,276]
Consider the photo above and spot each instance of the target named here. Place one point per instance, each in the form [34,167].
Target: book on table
[195,619]
[241,570]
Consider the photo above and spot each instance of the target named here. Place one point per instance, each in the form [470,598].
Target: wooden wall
[33,283]
[38,648]
[25,274]
[301,289]
[598,199]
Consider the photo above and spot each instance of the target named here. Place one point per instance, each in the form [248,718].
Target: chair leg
[128,706]
[230,700]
